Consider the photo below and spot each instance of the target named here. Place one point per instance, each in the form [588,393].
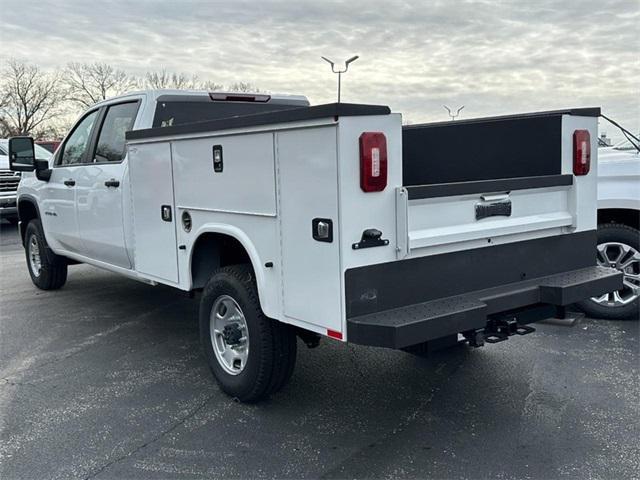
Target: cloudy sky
[492,56]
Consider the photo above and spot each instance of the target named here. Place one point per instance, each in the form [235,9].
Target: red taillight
[373,161]
[581,152]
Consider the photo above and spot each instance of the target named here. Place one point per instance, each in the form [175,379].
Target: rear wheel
[250,355]
[619,248]
[48,271]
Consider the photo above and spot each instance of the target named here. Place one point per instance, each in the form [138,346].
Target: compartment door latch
[165,213]
[371,237]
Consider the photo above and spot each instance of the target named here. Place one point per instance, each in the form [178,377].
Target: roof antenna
[453,115]
[340,72]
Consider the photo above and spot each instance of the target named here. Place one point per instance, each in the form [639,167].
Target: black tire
[53,268]
[615,232]
[272,345]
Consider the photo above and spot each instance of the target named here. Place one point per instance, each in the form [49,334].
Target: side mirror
[22,156]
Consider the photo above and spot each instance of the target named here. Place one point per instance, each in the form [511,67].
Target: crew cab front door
[58,197]
[100,187]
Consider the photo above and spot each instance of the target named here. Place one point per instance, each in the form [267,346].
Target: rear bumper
[406,326]
[403,303]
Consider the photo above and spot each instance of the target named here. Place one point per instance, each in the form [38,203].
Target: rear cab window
[178,112]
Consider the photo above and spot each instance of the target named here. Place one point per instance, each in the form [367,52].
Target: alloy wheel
[625,259]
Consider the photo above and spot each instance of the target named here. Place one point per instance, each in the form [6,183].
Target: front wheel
[619,248]
[48,271]
[250,355]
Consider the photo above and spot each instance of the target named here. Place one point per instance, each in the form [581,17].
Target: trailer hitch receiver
[500,329]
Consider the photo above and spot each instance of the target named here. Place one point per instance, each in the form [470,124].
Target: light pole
[340,72]
[451,114]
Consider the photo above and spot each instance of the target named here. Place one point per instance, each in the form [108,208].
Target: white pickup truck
[330,220]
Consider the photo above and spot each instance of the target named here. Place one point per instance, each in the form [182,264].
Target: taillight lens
[581,152]
[373,161]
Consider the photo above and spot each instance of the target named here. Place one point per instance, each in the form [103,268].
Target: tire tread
[53,274]
[277,340]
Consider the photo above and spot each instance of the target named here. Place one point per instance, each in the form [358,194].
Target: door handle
[70,183]
[112,183]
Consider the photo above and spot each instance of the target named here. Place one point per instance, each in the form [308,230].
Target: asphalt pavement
[105,379]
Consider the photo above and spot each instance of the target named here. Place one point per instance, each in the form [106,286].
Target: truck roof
[205,95]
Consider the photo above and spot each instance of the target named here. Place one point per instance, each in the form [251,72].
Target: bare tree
[29,98]
[89,83]
[210,86]
[179,81]
[164,79]
[244,87]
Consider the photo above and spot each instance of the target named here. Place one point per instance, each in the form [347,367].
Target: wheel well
[626,216]
[212,251]
[27,211]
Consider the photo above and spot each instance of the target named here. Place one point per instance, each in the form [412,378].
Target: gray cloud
[493,56]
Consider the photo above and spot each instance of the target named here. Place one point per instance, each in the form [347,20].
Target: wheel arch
[221,245]
[27,211]
[625,216]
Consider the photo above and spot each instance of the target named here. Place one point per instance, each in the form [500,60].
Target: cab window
[111,141]
[76,145]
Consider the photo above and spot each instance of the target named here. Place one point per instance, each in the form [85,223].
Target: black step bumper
[422,322]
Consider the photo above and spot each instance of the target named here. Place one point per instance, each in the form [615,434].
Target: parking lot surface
[105,379]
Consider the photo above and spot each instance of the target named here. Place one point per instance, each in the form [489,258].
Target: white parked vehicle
[9,182]
[618,230]
[329,220]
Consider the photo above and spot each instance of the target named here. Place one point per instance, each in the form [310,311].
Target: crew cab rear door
[101,186]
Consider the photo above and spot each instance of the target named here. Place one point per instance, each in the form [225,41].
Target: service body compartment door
[153,211]
[308,190]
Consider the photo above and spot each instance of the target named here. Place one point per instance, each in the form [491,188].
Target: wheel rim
[35,261]
[229,335]
[625,259]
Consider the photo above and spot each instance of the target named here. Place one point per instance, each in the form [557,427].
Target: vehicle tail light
[373,161]
[581,152]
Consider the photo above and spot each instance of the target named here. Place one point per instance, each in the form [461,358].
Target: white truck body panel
[310,270]
[153,238]
[306,186]
[247,187]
